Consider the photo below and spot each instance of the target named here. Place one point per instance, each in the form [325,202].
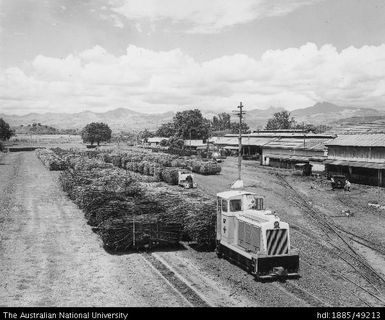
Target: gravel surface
[322,270]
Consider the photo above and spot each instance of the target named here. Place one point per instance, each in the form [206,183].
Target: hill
[118,119]
[364,124]
[326,113]
[123,119]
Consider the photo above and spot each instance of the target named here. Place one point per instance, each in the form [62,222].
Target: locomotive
[253,237]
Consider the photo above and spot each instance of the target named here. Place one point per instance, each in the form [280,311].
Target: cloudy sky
[161,55]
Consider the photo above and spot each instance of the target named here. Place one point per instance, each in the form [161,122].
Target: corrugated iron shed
[246,141]
[359,140]
[296,143]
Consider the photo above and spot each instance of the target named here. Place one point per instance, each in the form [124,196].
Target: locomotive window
[219,204]
[224,205]
[235,205]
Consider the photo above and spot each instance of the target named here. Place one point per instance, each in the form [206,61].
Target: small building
[194,144]
[296,152]
[155,141]
[360,157]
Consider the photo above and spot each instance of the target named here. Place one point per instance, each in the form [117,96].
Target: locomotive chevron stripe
[277,242]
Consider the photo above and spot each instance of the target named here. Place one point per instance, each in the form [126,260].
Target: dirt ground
[49,256]
[322,270]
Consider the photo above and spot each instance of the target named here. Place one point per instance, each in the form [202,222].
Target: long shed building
[360,157]
[289,152]
[281,148]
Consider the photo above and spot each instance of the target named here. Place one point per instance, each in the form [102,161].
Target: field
[51,257]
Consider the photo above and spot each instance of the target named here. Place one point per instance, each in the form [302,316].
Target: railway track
[176,281]
[194,292]
[303,294]
[307,260]
[311,262]
[363,241]
[346,251]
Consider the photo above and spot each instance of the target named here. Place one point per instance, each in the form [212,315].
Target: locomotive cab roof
[234,193]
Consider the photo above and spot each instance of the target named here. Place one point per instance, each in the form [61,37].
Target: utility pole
[240,114]
[208,137]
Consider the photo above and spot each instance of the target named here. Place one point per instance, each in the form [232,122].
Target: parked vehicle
[338,181]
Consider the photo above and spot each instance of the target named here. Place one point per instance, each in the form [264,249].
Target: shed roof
[232,193]
[261,139]
[297,143]
[194,143]
[357,164]
[246,140]
[156,139]
[359,140]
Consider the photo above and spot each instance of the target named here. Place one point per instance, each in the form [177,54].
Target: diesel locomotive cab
[254,237]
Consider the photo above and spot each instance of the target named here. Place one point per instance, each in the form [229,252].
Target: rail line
[176,281]
[296,290]
[197,299]
[306,261]
[363,241]
[304,294]
[311,262]
[351,256]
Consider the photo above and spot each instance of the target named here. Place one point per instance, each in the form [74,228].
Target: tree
[96,132]
[166,130]
[5,130]
[221,122]
[307,127]
[191,124]
[145,134]
[235,127]
[281,120]
[176,143]
[163,143]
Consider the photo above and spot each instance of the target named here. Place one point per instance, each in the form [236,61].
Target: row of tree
[283,120]
[190,124]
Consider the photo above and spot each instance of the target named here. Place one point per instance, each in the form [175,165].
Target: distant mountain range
[325,113]
[123,119]
[117,119]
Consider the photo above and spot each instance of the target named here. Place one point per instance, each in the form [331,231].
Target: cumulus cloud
[148,80]
[202,16]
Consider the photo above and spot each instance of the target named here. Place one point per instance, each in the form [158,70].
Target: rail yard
[50,256]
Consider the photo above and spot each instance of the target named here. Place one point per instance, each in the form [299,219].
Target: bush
[170,175]
[51,160]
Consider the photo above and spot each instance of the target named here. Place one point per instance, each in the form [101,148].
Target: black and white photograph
[192,154]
